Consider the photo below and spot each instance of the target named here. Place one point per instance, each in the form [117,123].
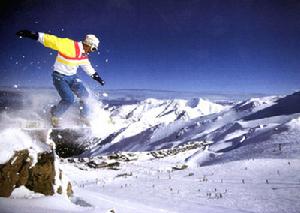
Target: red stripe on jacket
[77,53]
[77,50]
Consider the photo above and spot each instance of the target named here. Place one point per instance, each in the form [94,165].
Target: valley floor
[151,185]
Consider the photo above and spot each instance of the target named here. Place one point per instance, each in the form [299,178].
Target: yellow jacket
[70,56]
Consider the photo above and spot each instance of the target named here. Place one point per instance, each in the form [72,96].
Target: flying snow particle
[15,86]
[105,94]
[17,62]
[106,60]
[23,56]
[62,29]
[36,22]
[51,53]
[96,65]
[59,136]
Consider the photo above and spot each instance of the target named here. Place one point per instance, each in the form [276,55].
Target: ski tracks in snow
[103,203]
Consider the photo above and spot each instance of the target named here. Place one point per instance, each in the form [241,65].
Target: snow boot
[55,121]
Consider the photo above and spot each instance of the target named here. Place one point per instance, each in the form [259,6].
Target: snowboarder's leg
[67,98]
[82,93]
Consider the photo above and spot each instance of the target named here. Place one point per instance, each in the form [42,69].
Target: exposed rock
[59,190]
[14,173]
[69,190]
[40,178]
[42,175]
[71,142]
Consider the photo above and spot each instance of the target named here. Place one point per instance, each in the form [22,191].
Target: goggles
[93,49]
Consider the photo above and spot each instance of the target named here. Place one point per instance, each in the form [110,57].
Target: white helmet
[92,41]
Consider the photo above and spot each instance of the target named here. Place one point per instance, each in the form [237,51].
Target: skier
[71,54]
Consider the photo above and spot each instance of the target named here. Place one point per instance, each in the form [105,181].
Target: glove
[96,77]
[28,34]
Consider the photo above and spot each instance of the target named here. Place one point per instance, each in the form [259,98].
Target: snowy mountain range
[188,154]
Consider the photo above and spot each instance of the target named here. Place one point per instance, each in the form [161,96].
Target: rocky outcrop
[14,173]
[40,178]
[71,142]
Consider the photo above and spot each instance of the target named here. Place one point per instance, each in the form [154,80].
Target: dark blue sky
[185,45]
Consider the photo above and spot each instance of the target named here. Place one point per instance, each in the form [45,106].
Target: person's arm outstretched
[62,45]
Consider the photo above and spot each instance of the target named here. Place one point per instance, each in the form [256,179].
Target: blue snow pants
[67,86]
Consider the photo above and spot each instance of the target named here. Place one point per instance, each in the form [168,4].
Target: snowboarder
[71,54]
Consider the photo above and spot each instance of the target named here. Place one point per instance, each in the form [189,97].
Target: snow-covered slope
[143,126]
[183,155]
[155,124]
